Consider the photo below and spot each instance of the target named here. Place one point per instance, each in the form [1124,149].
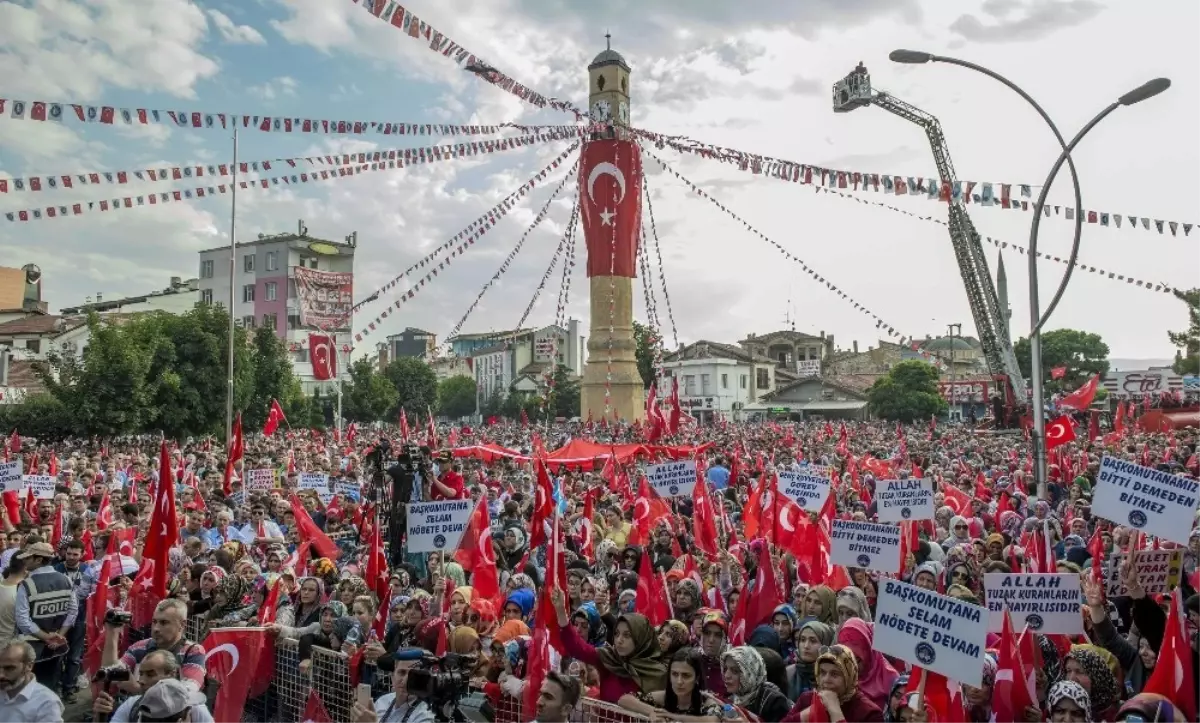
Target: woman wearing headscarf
[1085,666]
[672,636]
[632,664]
[465,641]
[512,549]
[820,603]
[746,682]
[875,674]
[1151,707]
[784,621]
[802,675]
[837,692]
[519,604]
[590,625]
[897,701]
[686,600]
[978,701]
[333,611]
[960,533]
[1049,672]
[852,604]
[229,605]
[460,602]
[1068,702]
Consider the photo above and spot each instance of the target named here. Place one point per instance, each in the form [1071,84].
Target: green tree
[456,397]
[368,396]
[41,416]
[906,393]
[493,406]
[1187,359]
[646,342]
[416,385]
[565,399]
[273,379]
[1082,353]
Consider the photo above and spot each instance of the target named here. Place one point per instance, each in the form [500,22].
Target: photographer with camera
[21,697]
[166,634]
[399,706]
[156,666]
[46,612]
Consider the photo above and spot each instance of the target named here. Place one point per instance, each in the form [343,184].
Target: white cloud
[234,33]
[72,50]
[272,89]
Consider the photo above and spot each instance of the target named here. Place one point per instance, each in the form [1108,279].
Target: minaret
[1002,293]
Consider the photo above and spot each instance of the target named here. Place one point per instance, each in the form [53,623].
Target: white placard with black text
[11,479]
[260,480]
[42,484]
[1047,603]
[437,526]
[936,632]
[1146,499]
[808,489]
[867,545]
[897,500]
[673,479]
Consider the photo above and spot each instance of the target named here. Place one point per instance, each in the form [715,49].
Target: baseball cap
[38,549]
[167,700]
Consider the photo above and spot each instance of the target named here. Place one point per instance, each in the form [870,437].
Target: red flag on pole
[231,650]
[275,415]
[236,450]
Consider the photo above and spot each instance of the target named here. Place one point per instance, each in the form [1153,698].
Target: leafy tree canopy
[565,399]
[908,392]
[368,396]
[1082,353]
[416,386]
[1187,359]
[646,341]
[456,397]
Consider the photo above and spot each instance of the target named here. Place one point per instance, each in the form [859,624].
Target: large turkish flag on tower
[610,198]
[323,355]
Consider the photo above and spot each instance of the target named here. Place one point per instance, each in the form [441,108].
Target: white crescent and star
[1056,431]
[228,648]
[606,168]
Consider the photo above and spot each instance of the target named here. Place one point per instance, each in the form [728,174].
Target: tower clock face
[623,112]
[602,111]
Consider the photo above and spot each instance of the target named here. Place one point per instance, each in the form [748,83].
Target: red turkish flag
[228,651]
[476,554]
[236,450]
[1059,432]
[274,416]
[587,548]
[1082,397]
[1013,689]
[323,355]
[610,192]
[651,598]
[1058,372]
[314,709]
[704,518]
[1173,677]
[543,506]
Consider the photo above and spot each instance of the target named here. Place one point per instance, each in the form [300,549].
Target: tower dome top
[609,57]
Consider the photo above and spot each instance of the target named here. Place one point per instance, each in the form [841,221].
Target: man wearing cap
[21,697]
[169,701]
[157,666]
[46,612]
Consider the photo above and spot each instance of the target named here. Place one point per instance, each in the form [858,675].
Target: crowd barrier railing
[329,675]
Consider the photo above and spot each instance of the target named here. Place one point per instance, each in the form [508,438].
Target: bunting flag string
[1153,286]
[558,252]
[662,277]
[512,255]
[985,194]
[560,310]
[155,198]
[407,22]
[59,112]
[879,321]
[52,182]
[468,236]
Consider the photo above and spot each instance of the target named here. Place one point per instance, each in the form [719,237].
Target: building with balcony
[266,292]
[799,353]
[519,362]
[411,342]
[717,381]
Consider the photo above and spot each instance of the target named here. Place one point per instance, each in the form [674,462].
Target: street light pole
[1037,318]
[232,289]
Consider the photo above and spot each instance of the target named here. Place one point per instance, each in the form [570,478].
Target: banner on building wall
[325,297]
[957,392]
[808,367]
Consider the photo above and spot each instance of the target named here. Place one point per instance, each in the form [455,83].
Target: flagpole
[337,355]
[232,286]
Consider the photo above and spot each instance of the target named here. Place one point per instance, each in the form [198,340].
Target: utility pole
[232,289]
[951,330]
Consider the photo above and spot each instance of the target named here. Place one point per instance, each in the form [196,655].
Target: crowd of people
[247,557]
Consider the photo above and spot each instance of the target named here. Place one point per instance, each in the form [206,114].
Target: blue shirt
[718,477]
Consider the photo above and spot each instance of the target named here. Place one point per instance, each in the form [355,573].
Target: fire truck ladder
[991,323]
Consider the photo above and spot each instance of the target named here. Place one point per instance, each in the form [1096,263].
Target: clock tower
[608,91]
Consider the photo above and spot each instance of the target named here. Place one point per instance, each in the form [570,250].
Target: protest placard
[348,489]
[936,632]
[1146,499]
[673,479]
[807,487]
[313,481]
[1047,603]
[435,526]
[260,480]
[42,484]
[11,479]
[1158,571]
[897,500]
[237,499]
[866,544]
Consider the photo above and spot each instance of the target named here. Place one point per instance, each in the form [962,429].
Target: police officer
[46,612]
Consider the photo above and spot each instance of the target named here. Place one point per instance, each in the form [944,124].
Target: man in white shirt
[398,705]
[13,575]
[158,665]
[21,697]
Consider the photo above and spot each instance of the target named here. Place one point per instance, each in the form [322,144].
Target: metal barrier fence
[328,674]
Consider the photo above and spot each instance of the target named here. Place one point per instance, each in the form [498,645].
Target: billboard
[1145,381]
[325,297]
[958,392]
[808,367]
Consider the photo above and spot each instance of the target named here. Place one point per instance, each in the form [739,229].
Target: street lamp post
[1038,318]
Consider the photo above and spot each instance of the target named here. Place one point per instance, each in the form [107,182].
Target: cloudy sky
[754,77]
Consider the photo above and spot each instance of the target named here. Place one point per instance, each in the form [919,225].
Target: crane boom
[991,322]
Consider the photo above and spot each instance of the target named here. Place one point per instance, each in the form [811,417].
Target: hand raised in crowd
[559,600]
[102,704]
[1129,576]
[374,651]
[360,713]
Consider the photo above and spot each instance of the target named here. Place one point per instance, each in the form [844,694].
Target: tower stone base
[612,299]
